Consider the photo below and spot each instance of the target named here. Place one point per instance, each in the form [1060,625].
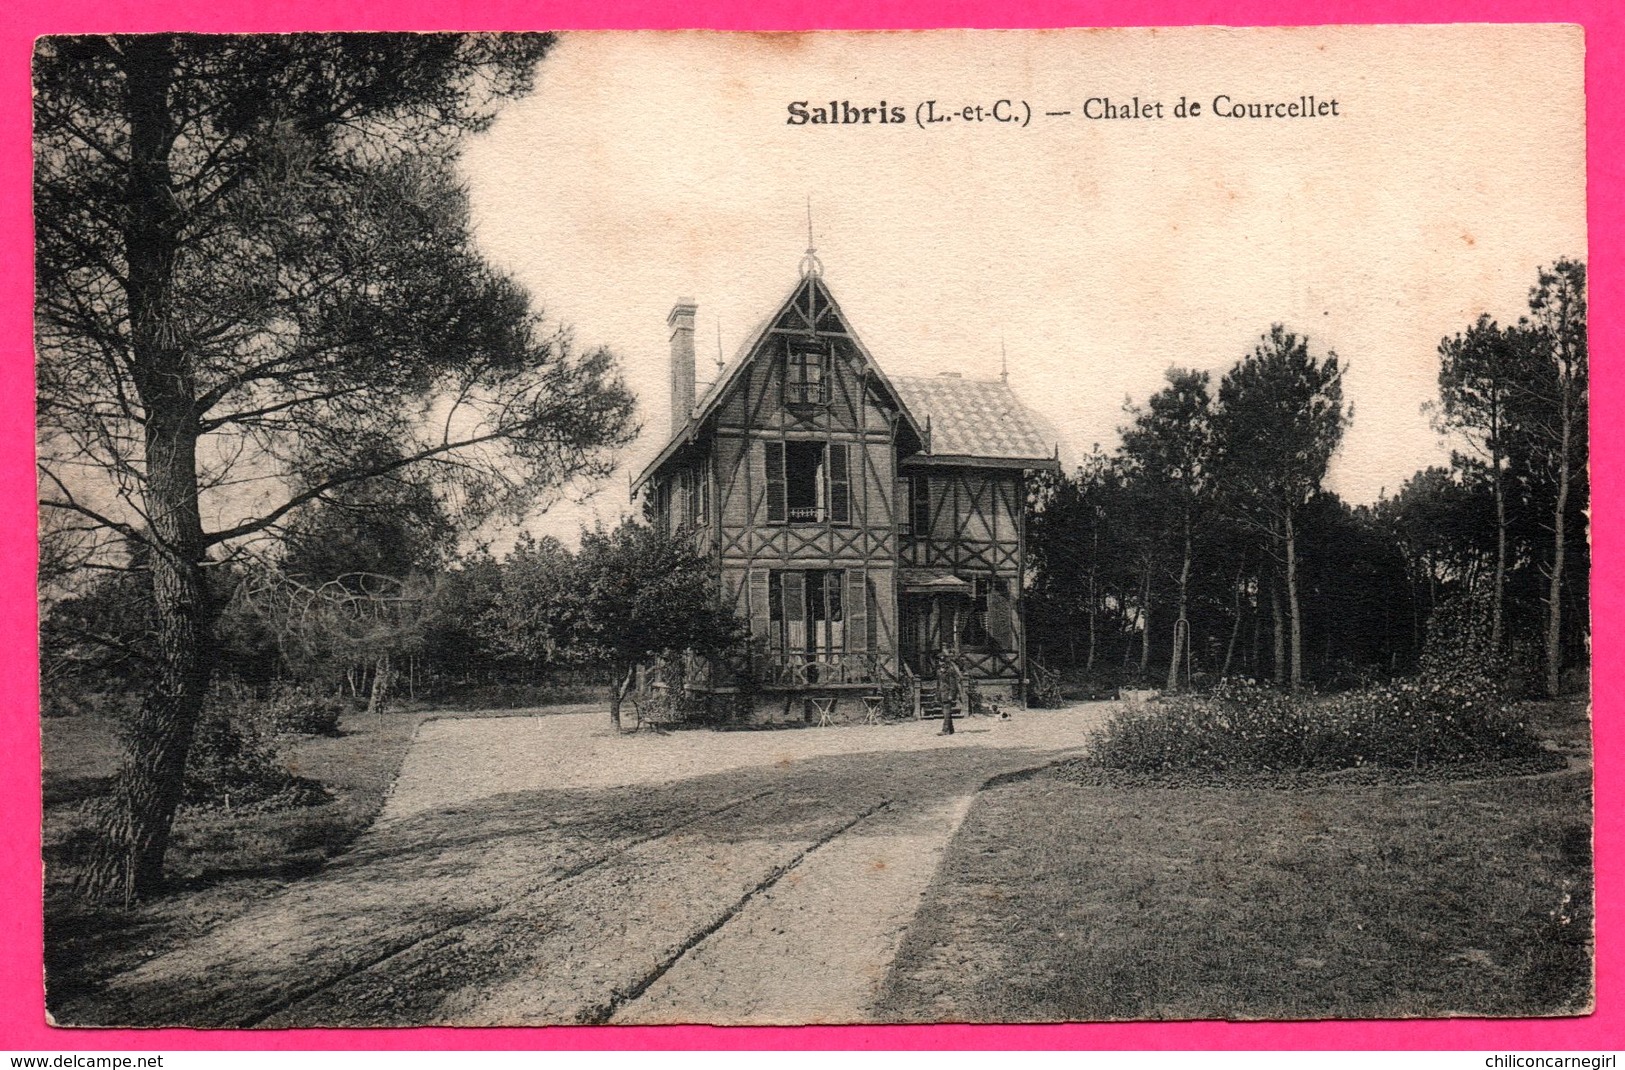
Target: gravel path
[532,871]
[456,761]
[825,972]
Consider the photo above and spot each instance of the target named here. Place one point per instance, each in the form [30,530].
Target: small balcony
[793,671]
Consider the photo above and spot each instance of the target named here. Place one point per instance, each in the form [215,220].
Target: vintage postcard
[696,527]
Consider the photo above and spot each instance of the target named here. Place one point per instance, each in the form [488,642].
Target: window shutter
[775,611]
[840,484]
[857,610]
[775,482]
[826,365]
[760,625]
[795,596]
[1001,615]
[794,585]
[900,508]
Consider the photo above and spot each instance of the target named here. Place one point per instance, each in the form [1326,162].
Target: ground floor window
[805,611]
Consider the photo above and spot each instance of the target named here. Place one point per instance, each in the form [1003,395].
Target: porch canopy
[932,581]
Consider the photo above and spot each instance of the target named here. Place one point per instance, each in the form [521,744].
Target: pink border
[21,997]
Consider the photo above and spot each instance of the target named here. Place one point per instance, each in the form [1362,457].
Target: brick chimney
[681,322]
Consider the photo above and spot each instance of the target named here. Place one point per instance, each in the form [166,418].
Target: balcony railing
[783,670]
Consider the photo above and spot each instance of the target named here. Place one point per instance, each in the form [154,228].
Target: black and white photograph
[677,527]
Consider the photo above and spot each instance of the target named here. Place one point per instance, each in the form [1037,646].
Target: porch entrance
[931,604]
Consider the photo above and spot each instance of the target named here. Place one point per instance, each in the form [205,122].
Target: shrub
[1242,727]
[1458,709]
[1458,651]
[670,703]
[300,710]
[675,704]
[895,703]
[236,761]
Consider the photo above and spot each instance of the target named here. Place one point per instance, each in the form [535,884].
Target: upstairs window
[683,507]
[804,481]
[919,506]
[806,373]
[808,483]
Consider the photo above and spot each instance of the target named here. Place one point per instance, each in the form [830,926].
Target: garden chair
[871,708]
[826,711]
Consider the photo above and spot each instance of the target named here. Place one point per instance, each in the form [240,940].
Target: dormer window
[806,373]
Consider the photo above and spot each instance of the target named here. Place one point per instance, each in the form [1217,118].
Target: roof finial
[1004,362]
[811,266]
[719,349]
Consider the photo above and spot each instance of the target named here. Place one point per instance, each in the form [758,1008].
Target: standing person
[947,690]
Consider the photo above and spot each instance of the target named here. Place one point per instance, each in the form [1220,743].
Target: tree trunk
[1254,661]
[1235,628]
[128,861]
[1145,625]
[1433,587]
[1554,599]
[1278,665]
[620,685]
[1094,611]
[1416,591]
[380,687]
[1094,595]
[1500,557]
[1182,622]
[1292,602]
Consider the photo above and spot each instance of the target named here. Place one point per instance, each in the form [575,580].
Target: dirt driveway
[543,870]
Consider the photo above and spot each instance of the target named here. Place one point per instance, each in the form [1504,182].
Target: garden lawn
[1061,901]
[219,862]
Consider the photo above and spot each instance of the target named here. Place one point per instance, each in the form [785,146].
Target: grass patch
[220,862]
[1064,901]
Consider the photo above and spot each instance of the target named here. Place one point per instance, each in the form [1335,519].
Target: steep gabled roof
[976,418]
[809,306]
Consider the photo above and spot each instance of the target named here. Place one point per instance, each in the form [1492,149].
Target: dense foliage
[1204,547]
[1460,708]
[540,623]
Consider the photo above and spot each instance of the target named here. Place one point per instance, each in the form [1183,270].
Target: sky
[1095,253]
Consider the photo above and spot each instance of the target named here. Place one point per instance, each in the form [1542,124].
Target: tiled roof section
[975,418]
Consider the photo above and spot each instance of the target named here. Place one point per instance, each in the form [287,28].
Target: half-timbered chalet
[866,526]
